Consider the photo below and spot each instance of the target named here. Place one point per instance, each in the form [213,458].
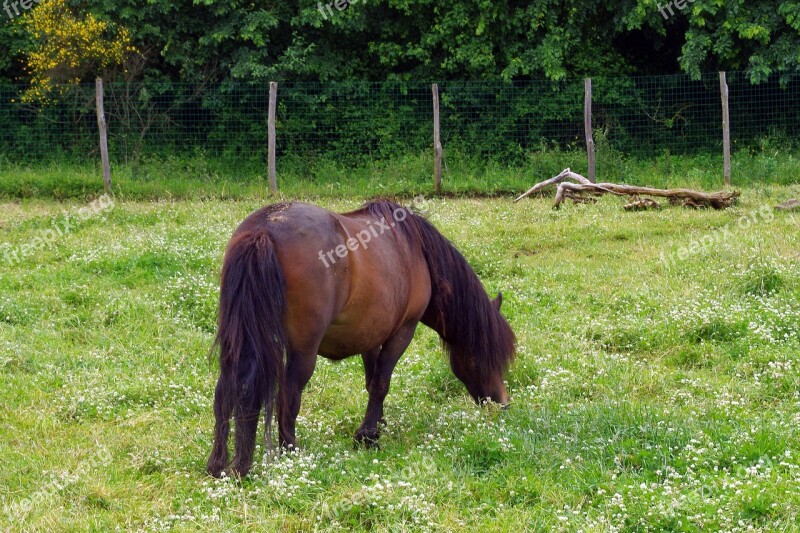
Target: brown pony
[299,280]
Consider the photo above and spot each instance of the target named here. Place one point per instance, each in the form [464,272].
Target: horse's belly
[382,287]
[343,340]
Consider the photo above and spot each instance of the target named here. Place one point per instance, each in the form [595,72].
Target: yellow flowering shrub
[69,46]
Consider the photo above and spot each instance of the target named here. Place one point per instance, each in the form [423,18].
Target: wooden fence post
[101,125]
[726,129]
[437,143]
[273,98]
[587,127]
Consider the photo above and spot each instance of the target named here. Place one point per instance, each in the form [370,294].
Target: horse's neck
[434,319]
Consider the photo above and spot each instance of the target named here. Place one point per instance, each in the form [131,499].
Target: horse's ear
[498,301]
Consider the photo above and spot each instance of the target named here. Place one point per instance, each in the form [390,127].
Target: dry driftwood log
[789,205]
[581,189]
[642,205]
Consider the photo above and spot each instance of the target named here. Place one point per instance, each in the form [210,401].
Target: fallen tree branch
[580,187]
[789,205]
[642,205]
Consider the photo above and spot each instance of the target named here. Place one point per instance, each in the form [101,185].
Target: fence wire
[359,123]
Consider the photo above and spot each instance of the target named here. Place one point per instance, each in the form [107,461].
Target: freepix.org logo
[374,229]
[15,8]
[680,4]
[340,5]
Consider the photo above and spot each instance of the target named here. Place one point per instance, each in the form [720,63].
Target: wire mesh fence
[504,121]
[765,114]
[352,123]
[64,129]
[359,123]
[648,115]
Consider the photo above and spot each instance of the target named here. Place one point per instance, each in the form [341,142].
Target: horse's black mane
[468,322]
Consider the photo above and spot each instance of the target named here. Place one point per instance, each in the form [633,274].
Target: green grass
[647,395]
[198,176]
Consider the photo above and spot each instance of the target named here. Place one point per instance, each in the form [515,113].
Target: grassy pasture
[657,384]
[201,177]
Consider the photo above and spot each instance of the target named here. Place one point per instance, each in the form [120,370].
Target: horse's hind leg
[246,414]
[380,368]
[299,369]
[222,413]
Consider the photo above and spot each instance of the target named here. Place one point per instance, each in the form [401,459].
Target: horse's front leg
[370,360]
[379,374]
[299,369]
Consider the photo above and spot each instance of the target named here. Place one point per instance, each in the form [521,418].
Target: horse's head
[482,373]
[480,387]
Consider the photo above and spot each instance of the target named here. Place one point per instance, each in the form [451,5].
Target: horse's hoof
[288,448]
[215,468]
[367,438]
[237,470]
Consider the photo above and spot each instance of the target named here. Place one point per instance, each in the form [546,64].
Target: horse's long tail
[252,345]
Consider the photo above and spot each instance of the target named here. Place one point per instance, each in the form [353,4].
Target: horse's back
[289,222]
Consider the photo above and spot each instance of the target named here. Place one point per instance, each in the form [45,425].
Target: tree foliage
[256,40]
[68,45]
